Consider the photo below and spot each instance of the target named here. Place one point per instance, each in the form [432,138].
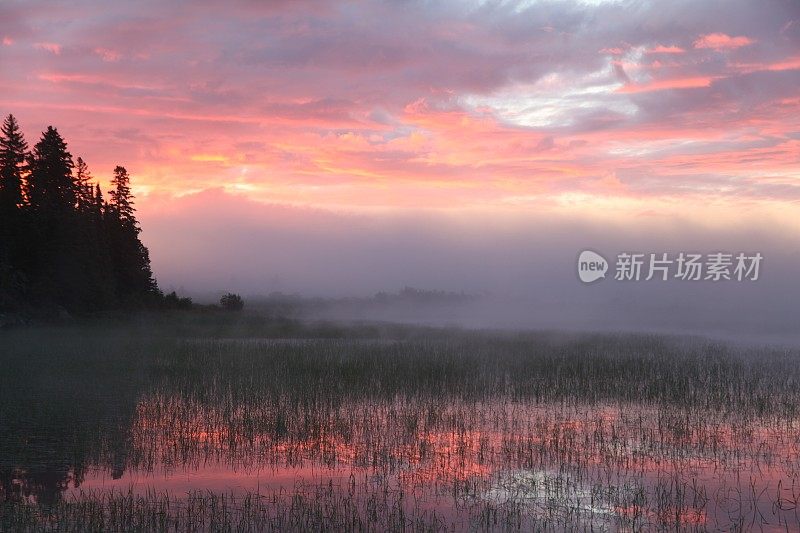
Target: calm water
[258,417]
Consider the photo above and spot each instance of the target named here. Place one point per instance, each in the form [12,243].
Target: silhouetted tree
[232,302]
[121,197]
[85,190]
[51,189]
[173,301]
[13,155]
[129,257]
[99,206]
[51,192]
[60,244]
[99,292]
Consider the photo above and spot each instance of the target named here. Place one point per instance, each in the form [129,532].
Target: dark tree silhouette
[99,206]
[232,302]
[121,198]
[173,301]
[85,189]
[13,150]
[56,273]
[51,188]
[13,155]
[61,245]
[93,248]
[129,257]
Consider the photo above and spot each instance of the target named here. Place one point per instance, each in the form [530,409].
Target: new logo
[591,266]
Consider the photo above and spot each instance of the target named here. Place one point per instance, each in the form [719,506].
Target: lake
[151,426]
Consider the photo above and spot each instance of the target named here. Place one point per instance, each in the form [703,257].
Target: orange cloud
[661,85]
[210,158]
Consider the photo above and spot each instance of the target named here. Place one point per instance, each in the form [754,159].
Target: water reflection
[605,463]
[617,464]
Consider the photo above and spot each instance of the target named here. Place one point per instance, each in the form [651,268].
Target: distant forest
[64,248]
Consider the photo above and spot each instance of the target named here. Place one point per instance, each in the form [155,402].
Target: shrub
[232,302]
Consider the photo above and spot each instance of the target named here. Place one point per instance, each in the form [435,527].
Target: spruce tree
[62,246]
[85,189]
[51,189]
[98,205]
[59,270]
[121,196]
[130,258]
[13,153]
[99,287]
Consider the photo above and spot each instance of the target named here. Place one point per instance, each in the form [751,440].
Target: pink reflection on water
[217,477]
[729,469]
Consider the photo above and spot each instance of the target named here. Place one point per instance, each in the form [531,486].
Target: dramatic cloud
[364,105]
[589,109]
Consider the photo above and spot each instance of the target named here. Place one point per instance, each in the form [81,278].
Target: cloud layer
[339,147]
[394,104]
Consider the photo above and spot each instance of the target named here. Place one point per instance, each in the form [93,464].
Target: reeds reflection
[434,430]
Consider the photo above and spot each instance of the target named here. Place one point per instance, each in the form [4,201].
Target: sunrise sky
[594,110]
[396,104]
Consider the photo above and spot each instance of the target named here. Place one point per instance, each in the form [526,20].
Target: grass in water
[209,423]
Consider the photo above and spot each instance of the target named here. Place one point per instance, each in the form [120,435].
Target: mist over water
[521,266]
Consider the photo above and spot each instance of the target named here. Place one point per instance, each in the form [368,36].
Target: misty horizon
[523,267]
[469,147]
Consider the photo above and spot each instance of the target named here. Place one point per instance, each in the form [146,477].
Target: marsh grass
[393,428]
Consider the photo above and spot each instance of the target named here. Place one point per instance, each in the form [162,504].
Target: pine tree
[85,190]
[98,205]
[130,258]
[13,240]
[99,290]
[61,245]
[59,262]
[13,153]
[121,197]
[51,188]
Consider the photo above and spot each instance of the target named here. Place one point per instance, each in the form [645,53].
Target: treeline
[63,246]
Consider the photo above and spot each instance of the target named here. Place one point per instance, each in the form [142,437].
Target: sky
[349,146]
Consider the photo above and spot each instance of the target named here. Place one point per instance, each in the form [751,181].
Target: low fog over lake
[521,266]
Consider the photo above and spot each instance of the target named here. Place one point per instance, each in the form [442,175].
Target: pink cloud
[50,47]
[661,85]
[398,107]
[791,63]
[788,64]
[8,41]
[721,41]
[661,49]
[107,54]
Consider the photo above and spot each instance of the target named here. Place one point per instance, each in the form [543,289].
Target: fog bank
[521,265]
